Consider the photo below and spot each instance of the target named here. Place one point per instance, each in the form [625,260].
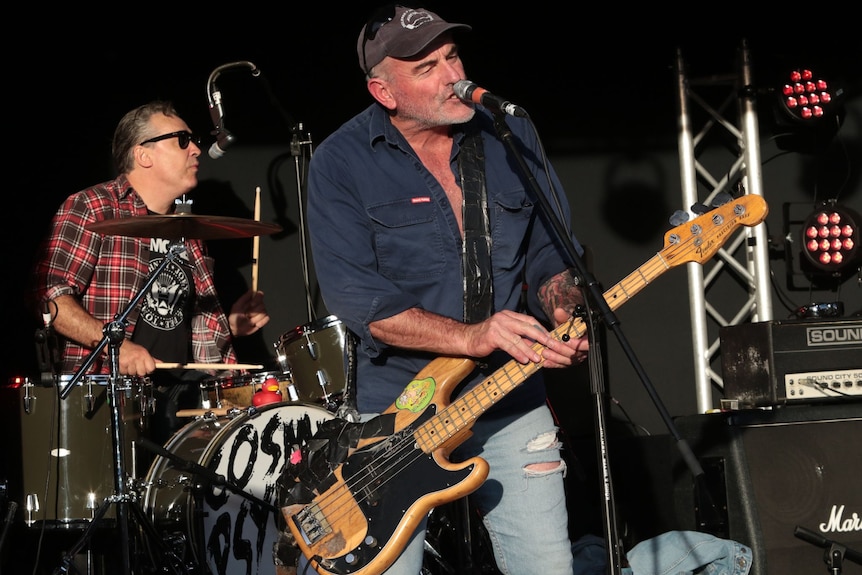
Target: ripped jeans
[524,511]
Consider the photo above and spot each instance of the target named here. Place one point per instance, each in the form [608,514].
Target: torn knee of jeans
[546,468]
[545,441]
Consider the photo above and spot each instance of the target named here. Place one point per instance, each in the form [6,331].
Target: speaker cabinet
[767,472]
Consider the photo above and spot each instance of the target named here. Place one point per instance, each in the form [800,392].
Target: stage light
[829,243]
[809,109]
[809,98]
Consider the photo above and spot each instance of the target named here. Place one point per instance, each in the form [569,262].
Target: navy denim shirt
[384,239]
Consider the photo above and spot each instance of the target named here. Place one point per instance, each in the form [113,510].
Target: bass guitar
[364,514]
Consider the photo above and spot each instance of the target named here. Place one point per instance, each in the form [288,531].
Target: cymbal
[184,226]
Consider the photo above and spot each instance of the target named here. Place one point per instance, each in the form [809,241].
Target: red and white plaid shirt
[105,272]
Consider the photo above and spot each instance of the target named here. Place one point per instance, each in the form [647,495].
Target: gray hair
[133,129]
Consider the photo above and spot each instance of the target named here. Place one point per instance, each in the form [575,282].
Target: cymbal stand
[114,336]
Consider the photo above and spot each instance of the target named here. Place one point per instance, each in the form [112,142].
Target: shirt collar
[380,127]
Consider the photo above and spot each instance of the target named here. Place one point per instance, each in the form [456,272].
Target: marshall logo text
[840,524]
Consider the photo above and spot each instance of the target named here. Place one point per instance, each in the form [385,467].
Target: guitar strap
[476,255]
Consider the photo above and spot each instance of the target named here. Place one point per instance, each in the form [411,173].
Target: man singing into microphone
[427,242]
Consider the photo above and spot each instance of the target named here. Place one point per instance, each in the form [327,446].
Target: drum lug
[29,399]
[312,350]
[90,399]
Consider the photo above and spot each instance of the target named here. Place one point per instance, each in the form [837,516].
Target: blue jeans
[524,511]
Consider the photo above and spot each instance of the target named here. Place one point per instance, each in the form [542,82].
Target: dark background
[596,79]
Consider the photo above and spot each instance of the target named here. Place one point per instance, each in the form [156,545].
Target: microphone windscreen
[215,152]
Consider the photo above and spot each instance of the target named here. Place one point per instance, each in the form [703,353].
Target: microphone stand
[114,336]
[223,137]
[597,309]
[834,553]
[302,139]
[300,142]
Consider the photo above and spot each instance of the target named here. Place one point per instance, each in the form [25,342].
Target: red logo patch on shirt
[420,200]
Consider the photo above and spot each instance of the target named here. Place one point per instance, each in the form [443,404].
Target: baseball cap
[400,32]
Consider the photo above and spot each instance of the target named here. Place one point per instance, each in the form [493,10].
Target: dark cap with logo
[399,32]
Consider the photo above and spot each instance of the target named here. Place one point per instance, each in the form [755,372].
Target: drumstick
[255,250]
[202,412]
[208,366]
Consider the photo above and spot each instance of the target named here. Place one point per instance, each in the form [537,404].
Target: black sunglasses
[183,139]
[381,16]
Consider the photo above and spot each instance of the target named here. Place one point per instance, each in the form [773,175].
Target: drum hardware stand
[454,525]
[47,348]
[114,336]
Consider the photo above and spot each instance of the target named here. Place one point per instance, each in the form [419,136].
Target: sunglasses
[381,16]
[183,139]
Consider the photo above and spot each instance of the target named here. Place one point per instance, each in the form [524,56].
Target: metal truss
[744,258]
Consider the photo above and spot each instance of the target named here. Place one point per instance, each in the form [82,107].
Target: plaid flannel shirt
[105,272]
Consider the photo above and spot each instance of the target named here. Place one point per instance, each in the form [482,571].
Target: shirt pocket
[408,239]
[511,217]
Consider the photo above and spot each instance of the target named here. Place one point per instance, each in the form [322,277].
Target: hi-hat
[184,226]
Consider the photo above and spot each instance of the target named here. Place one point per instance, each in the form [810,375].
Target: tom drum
[239,390]
[67,445]
[314,355]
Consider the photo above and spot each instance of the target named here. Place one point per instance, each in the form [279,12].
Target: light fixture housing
[830,243]
[809,108]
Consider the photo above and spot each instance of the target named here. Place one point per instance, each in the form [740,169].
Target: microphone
[223,137]
[47,346]
[470,92]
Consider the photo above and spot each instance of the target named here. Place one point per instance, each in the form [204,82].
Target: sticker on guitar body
[417,395]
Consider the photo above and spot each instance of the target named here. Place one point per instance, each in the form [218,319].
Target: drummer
[84,279]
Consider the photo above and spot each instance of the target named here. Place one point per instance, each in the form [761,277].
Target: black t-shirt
[164,324]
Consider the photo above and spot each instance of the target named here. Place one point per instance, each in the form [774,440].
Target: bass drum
[229,532]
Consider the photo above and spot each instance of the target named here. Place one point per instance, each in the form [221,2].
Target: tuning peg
[699,209]
[678,218]
[721,198]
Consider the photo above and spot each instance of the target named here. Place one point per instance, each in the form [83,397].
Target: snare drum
[67,445]
[314,355]
[238,390]
[231,533]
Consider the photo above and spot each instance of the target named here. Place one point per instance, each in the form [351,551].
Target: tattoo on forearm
[560,291]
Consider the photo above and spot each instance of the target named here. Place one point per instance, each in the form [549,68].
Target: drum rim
[310,327]
[248,378]
[98,379]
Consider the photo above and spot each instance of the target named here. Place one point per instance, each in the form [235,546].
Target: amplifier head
[777,362]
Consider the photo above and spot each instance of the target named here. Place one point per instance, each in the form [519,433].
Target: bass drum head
[168,495]
[237,534]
